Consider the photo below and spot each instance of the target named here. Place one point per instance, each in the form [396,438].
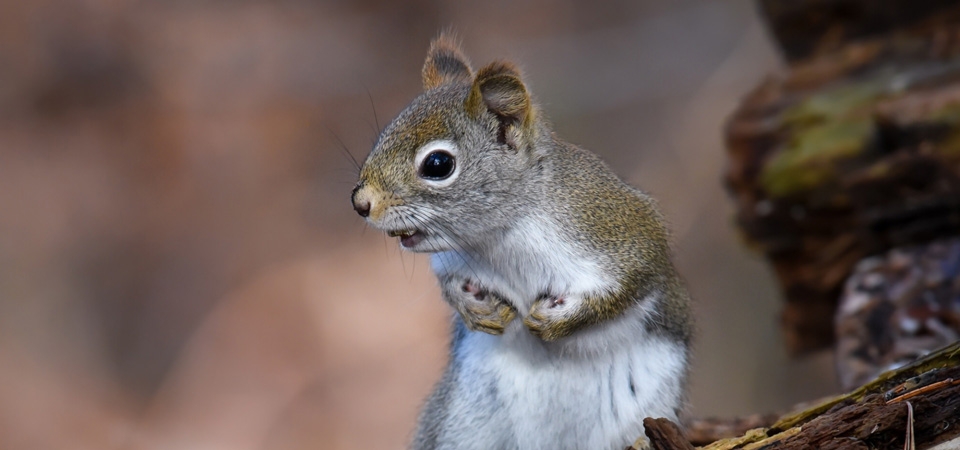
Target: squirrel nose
[361,206]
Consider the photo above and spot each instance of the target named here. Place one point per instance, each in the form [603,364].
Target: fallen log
[915,406]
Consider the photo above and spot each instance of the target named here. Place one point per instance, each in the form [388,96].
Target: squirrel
[521,224]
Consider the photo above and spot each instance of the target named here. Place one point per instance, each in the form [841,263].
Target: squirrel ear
[497,88]
[445,63]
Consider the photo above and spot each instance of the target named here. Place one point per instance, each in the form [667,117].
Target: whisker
[398,250]
[363,231]
[374,108]
[406,224]
[346,151]
[447,237]
[413,272]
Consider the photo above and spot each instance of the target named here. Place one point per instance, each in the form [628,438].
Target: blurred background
[180,267]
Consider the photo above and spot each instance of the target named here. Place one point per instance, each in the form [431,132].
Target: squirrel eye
[437,165]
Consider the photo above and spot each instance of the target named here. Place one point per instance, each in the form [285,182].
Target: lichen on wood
[844,157]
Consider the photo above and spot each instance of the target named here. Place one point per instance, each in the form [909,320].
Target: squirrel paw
[480,309]
[549,318]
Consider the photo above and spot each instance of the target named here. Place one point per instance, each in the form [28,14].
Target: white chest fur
[532,258]
[547,400]
[587,391]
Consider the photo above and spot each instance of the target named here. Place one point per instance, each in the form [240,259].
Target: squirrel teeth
[408,238]
[402,233]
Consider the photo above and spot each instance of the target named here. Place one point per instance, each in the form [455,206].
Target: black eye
[437,165]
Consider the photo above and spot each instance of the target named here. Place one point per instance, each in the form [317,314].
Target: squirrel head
[454,164]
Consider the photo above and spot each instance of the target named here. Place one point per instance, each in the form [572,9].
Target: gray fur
[544,231]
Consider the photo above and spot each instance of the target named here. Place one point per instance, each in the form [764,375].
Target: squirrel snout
[362,208]
[360,205]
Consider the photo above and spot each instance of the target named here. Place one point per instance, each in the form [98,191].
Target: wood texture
[875,416]
[665,435]
[843,157]
[804,28]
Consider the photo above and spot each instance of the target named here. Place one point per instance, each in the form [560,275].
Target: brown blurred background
[180,267]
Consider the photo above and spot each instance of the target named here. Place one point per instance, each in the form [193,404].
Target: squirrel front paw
[550,317]
[480,309]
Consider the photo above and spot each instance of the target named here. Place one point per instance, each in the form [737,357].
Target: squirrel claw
[474,290]
[492,323]
[489,315]
[480,309]
[544,321]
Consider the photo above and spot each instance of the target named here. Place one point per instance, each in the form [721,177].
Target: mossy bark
[874,416]
[844,156]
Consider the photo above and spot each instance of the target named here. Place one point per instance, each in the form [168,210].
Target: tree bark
[846,156]
[875,416]
[804,28]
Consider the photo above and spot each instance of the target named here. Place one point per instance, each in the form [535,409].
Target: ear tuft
[445,63]
[498,88]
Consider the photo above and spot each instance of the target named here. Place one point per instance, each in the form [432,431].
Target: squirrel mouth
[408,238]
